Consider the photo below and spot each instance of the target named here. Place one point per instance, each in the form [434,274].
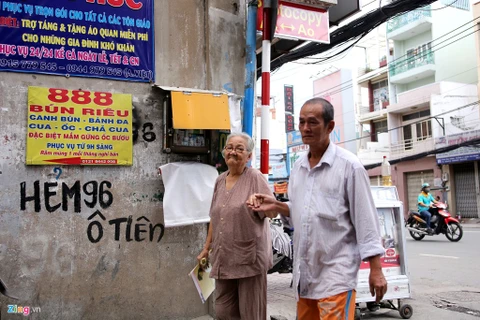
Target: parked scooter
[4,290]
[442,222]
[282,244]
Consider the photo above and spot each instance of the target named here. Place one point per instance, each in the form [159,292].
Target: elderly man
[335,221]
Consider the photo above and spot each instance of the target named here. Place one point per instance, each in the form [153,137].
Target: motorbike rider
[425,205]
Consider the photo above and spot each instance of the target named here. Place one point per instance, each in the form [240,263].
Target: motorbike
[442,222]
[282,248]
[282,244]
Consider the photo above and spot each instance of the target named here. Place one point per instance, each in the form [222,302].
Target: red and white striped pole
[265,123]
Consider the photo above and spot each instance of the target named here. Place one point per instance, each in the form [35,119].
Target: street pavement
[444,277]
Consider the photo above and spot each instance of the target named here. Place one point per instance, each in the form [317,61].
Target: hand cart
[394,262]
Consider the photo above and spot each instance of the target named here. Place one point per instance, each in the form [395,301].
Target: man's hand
[378,284]
[262,202]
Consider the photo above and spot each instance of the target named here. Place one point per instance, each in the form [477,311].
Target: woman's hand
[202,255]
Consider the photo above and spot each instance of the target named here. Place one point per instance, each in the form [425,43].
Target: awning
[193,110]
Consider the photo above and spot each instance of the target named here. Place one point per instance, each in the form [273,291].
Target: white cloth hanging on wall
[188,192]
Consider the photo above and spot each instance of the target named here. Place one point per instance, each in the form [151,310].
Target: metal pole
[288,158]
[265,126]
[251,64]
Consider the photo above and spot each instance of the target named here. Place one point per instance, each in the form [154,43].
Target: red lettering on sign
[80,97]
[35,108]
[58,95]
[132,4]
[89,112]
[103,98]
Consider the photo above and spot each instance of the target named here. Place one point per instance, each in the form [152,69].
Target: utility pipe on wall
[251,64]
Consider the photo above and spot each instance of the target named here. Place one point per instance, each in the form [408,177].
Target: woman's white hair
[250,144]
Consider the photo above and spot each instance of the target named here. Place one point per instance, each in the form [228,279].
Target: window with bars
[415,132]
[419,56]
[459,4]
[380,84]
[424,130]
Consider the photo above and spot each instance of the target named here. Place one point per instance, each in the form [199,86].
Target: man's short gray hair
[328,112]
[249,141]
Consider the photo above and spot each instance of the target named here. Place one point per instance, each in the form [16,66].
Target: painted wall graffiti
[142,127]
[95,228]
[98,193]
[58,172]
[92,193]
[40,253]
[146,129]
[143,197]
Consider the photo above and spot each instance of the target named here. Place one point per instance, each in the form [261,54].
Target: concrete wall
[419,83]
[458,61]
[394,120]
[348,113]
[476,15]
[454,96]
[47,258]
[416,41]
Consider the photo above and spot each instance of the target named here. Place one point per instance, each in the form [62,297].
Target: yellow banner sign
[78,127]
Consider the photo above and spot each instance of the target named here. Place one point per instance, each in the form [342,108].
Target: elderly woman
[239,238]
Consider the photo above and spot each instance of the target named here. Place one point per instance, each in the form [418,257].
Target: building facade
[430,96]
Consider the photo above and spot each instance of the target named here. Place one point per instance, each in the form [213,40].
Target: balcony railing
[379,106]
[409,147]
[374,152]
[407,18]
[364,110]
[408,63]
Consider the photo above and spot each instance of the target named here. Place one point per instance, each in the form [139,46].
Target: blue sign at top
[294,138]
[85,38]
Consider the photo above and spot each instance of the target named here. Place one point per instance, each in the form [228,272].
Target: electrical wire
[434,40]
[418,99]
[406,61]
[473,142]
[330,60]
[413,57]
[419,121]
[446,6]
[352,30]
